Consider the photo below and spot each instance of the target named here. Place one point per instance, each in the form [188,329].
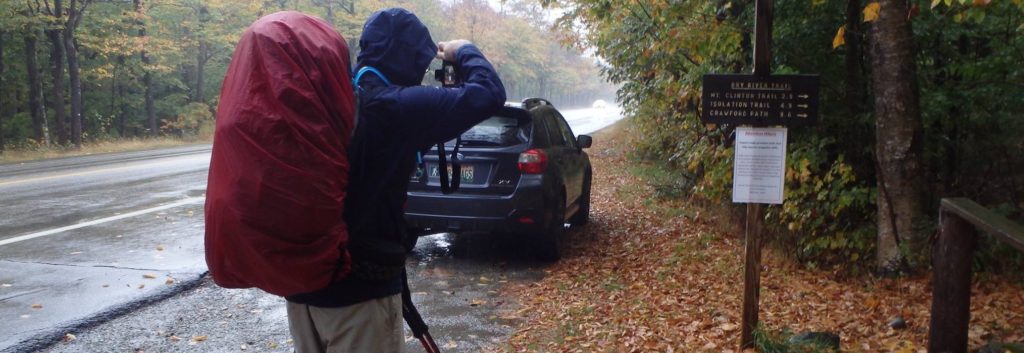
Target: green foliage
[194,117]
[767,341]
[188,45]
[825,208]
[969,76]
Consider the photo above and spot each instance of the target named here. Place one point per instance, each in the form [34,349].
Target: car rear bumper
[521,212]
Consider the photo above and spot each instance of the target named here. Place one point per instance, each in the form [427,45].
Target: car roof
[522,110]
[529,103]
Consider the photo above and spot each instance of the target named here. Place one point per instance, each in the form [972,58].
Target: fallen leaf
[149,276]
[477,302]
[872,303]
[169,281]
[729,327]
[199,338]
[450,345]
[840,38]
[106,285]
[37,306]
[159,248]
[175,338]
[142,286]
[871,12]
[69,337]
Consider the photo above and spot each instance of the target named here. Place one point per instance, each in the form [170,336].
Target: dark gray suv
[523,172]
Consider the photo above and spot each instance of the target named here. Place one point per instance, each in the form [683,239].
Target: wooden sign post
[755,102]
[755,212]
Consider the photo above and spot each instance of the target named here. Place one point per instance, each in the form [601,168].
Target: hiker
[397,117]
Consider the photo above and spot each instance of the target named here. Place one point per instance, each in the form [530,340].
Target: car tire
[582,216]
[549,245]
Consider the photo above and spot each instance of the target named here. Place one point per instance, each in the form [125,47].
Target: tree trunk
[330,14]
[76,89]
[897,131]
[36,106]
[57,91]
[117,105]
[75,12]
[147,77]
[201,58]
[3,91]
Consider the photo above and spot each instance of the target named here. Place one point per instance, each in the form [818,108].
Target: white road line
[44,233]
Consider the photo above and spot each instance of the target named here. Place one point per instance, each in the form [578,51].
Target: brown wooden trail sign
[772,100]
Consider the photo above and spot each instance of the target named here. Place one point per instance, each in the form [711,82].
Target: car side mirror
[584,141]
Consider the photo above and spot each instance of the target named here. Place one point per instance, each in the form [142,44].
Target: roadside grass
[24,154]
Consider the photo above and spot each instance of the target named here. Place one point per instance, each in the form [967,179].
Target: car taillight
[533,161]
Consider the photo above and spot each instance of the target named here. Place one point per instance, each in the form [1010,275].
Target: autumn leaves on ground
[659,275]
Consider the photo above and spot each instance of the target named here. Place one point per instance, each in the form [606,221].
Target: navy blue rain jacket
[394,122]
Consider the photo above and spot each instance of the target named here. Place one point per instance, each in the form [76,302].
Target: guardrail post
[951,285]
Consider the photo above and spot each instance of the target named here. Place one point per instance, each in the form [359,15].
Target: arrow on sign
[801,115]
[804,96]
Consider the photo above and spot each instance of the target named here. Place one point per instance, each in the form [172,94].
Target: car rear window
[495,131]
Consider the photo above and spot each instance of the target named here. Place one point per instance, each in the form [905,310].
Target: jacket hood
[395,42]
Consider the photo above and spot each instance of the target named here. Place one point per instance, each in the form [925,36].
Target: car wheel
[549,245]
[582,215]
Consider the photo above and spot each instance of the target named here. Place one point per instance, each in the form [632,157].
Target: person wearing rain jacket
[397,117]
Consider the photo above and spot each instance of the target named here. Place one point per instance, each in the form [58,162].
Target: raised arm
[440,114]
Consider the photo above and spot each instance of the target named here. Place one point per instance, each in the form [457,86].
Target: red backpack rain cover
[279,169]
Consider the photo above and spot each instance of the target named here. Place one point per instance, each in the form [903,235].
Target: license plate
[467,172]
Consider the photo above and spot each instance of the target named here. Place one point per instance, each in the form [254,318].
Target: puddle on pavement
[456,280]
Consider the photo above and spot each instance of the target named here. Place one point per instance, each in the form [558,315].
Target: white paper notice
[759,167]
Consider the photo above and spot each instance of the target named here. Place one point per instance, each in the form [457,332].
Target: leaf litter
[638,280]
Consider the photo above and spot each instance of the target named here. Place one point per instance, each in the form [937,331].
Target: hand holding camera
[446,50]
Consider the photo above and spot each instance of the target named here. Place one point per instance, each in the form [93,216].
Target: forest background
[74,71]
[920,100]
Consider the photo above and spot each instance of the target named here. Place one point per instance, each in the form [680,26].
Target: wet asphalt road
[109,249]
[454,279]
[82,239]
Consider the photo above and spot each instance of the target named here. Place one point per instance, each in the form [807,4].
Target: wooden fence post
[951,299]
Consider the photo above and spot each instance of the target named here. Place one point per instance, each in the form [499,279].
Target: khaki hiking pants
[372,326]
